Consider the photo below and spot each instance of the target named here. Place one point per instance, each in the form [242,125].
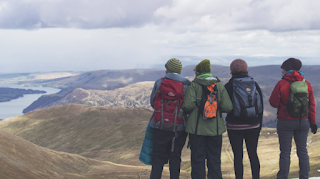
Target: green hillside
[115,134]
[20,159]
[103,133]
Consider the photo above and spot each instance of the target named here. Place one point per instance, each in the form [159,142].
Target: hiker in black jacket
[240,128]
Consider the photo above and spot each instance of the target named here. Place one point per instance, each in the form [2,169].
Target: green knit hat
[174,65]
[203,67]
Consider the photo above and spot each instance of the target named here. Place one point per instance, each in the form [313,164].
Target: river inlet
[15,107]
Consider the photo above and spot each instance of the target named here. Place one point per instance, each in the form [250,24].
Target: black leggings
[251,137]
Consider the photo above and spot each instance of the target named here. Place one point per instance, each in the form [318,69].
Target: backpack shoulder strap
[288,81]
[217,96]
[281,99]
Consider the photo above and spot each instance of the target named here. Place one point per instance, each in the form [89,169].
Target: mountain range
[80,141]
[132,88]
[94,127]
[112,79]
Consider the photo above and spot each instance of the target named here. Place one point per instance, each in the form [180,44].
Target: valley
[115,134]
[132,88]
[94,127]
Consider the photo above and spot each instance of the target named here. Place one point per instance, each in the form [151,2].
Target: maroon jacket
[281,93]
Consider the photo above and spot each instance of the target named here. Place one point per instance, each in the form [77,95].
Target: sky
[87,35]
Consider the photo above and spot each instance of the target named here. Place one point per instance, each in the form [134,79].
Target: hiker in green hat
[205,131]
[168,121]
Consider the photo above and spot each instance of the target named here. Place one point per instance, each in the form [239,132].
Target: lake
[16,106]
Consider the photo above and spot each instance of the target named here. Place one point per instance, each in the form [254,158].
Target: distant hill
[33,79]
[264,75]
[132,96]
[138,96]
[115,134]
[22,159]
[8,94]
[106,79]
[112,79]
[95,88]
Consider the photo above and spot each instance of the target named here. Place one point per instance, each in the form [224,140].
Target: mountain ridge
[116,133]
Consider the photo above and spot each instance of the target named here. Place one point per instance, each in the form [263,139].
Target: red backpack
[168,102]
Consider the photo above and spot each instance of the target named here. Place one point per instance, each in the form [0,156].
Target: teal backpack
[299,103]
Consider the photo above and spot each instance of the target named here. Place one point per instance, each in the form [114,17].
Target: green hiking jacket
[207,127]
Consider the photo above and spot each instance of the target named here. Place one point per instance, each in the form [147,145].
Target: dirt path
[140,174]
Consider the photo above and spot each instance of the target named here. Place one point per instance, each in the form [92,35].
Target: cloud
[234,15]
[18,15]
[178,15]
[61,49]
[85,14]
[84,35]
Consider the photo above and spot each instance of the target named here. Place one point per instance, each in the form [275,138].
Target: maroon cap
[291,64]
[238,65]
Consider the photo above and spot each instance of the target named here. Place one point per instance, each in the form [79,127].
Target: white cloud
[143,33]
[77,13]
[126,48]
[179,15]
[232,15]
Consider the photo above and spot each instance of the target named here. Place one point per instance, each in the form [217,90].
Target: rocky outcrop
[132,96]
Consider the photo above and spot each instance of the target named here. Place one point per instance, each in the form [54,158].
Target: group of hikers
[182,107]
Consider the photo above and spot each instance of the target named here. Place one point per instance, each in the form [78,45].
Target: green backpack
[299,103]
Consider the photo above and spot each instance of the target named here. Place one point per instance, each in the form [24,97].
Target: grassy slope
[116,134]
[102,133]
[20,159]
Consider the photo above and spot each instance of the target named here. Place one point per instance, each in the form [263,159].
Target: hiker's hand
[314,128]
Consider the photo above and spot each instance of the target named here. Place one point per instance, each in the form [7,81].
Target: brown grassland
[87,137]
[20,159]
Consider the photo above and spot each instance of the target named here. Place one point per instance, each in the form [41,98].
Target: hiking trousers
[161,153]
[251,137]
[205,147]
[299,131]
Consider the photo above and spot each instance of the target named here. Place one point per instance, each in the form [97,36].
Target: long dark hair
[240,74]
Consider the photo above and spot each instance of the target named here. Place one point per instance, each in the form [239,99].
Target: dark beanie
[291,64]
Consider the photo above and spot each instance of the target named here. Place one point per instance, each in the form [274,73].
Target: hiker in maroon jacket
[289,126]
